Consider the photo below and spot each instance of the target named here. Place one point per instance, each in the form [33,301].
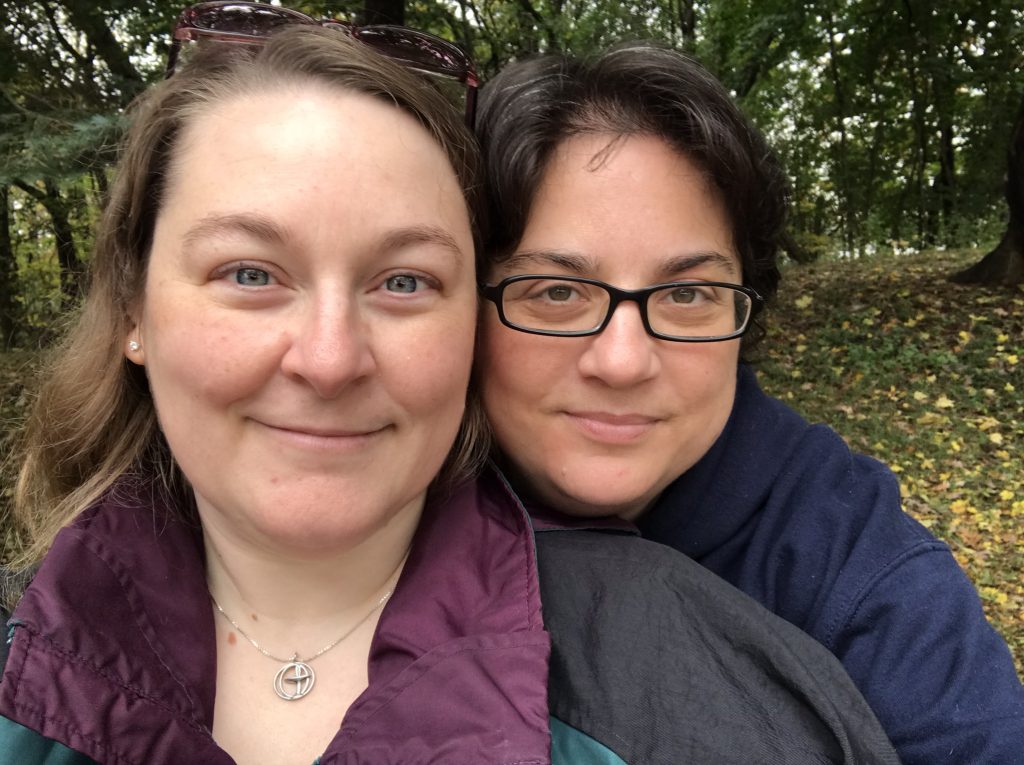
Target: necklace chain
[295,656]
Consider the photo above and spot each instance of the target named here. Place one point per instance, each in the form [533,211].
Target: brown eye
[559,294]
[684,295]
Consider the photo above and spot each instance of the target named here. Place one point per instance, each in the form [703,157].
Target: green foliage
[56,146]
[892,118]
[927,377]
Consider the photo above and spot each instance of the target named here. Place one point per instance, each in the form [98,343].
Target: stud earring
[133,346]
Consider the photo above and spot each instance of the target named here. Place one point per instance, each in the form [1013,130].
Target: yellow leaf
[919,396]
[993,595]
[944,402]
[803,302]
[1006,495]
[996,438]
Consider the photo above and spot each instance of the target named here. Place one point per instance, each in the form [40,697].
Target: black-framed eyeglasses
[571,306]
[251,23]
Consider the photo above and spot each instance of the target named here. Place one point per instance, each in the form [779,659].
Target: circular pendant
[296,684]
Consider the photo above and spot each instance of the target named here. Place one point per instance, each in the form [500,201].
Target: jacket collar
[709,504]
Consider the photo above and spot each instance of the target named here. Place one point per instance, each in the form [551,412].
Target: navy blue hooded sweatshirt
[783,510]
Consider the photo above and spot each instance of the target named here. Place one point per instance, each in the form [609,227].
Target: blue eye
[402,283]
[252,277]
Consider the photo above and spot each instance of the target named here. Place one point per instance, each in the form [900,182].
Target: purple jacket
[114,651]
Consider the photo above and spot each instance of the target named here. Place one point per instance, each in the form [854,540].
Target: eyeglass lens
[692,310]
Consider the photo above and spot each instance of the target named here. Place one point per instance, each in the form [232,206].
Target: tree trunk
[384,12]
[1005,264]
[848,216]
[945,184]
[688,24]
[917,59]
[60,220]
[8,275]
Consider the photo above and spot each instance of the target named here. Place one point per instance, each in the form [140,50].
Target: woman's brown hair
[93,422]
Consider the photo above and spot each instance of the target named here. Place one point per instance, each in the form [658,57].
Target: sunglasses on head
[251,23]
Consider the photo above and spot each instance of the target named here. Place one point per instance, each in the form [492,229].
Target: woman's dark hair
[535,105]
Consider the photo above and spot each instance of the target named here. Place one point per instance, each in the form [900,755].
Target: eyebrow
[576,262]
[583,265]
[677,265]
[413,235]
[250,224]
[264,229]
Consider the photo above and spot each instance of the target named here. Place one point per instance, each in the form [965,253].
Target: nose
[331,346]
[623,354]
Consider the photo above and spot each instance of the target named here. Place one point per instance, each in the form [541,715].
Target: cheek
[431,375]
[521,377]
[512,365]
[705,378]
[190,355]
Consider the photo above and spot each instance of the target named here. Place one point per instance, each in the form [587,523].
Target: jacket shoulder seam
[842,621]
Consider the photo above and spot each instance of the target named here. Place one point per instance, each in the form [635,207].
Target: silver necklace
[295,679]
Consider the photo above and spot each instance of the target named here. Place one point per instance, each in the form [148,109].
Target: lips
[613,428]
[321,438]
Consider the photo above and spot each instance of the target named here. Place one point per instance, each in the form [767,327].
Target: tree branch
[86,18]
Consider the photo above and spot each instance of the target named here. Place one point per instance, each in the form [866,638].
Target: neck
[285,598]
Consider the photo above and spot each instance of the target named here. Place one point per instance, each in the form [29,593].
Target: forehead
[305,132]
[339,162]
[631,210]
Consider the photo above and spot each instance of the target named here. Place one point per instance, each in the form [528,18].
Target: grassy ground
[929,377]
[923,374]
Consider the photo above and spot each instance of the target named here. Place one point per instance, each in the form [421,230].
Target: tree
[8,275]
[67,70]
[1005,264]
[384,12]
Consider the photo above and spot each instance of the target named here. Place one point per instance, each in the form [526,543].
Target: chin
[590,500]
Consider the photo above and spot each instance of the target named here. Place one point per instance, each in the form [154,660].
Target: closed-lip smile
[320,437]
[611,427]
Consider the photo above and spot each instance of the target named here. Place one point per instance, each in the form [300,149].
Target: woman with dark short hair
[637,217]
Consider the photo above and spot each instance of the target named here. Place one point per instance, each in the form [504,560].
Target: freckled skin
[244,377]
